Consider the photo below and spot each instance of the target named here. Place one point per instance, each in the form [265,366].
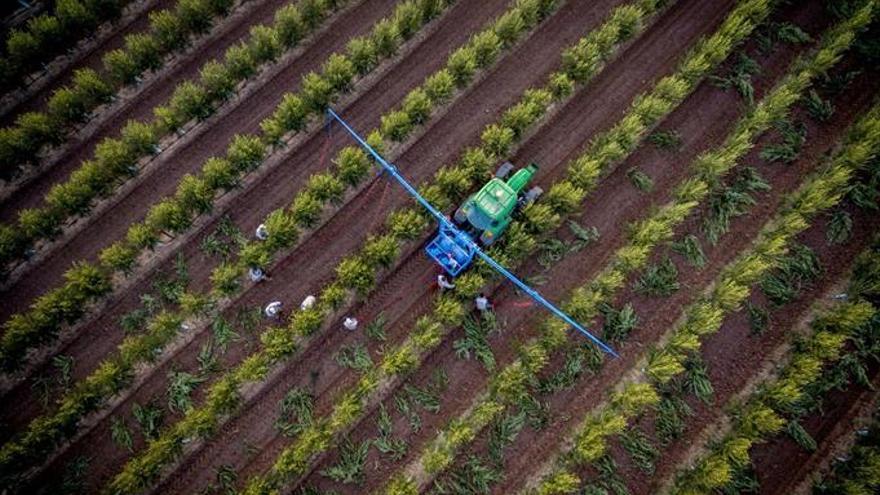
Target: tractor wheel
[460,217]
[504,170]
[533,194]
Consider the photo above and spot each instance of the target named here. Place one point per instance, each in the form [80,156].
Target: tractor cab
[484,216]
[489,211]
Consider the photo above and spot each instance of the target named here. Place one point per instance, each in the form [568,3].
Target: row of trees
[194,196]
[117,159]
[583,173]
[730,290]
[764,413]
[285,224]
[48,35]
[70,105]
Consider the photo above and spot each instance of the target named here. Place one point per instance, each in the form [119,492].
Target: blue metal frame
[449,228]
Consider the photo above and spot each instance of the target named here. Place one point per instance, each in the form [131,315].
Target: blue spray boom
[465,246]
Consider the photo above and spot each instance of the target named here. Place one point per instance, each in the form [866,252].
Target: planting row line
[619,321]
[48,35]
[169,31]
[605,151]
[326,188]
[195,195]
[448,312]
[118,160]
[280,343]
[820,192]
[765,412]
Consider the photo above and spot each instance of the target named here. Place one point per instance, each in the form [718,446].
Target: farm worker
[482,303]
[256,274]
[307,303]
[262,232]
[272,309]
[443,283]
[350,323]
[840,297]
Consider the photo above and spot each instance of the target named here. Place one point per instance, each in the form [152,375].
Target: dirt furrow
[187,156]
[34,98]
[137,104]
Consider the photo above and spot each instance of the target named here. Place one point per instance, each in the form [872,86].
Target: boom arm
[441,218]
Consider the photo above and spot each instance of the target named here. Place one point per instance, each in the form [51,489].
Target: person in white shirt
[482,303]
[262,232]
[307,303]
[350,323]
[443,283]
[273,309]
[256,274]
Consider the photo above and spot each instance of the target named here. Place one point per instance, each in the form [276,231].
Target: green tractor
[489,211]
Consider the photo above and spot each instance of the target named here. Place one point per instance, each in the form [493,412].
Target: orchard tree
[313,12]
[408,19]
[122,67]
[353,165]
[139,138]
[386,37]
[168,216]
[119,257]
[219,174]
[363,53]
[245,152]
[417,105]
[486,46]
[91,87]
[168,29]
[194,195]
[339,72]
[264,44]
[283,232]
[290,25]
[462,65]
[306,209]
[497,139]
[144,50]
[195,15]
[326,187]
[396,125]
[440,86]
[317,91]
[142,236]
[240,61]
[217,80]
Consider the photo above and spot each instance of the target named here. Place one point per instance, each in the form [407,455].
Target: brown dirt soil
[187,156]
[138,103]
[513,69]
[35,99]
